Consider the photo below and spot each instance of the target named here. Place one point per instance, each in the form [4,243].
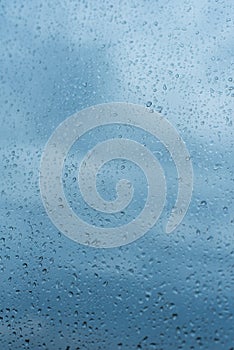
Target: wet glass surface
[162,291]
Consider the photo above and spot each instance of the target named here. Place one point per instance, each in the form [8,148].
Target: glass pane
[112,113]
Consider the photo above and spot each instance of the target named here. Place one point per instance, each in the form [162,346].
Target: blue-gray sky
[160,292]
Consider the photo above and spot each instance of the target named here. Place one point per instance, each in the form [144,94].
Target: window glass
[148,86]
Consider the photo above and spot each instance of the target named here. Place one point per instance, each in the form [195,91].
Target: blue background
[161,292]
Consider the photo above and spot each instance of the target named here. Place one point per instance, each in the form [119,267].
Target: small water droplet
[148,104]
